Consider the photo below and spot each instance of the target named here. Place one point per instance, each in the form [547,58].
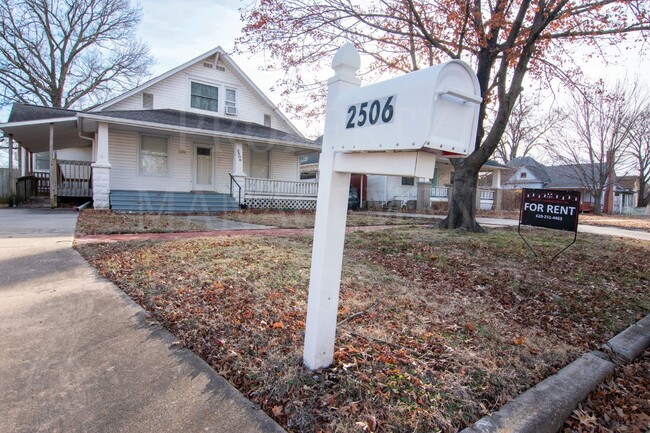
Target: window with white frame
[42,161]
[204,96]
[154,155]
[147,101]
[408,181]
[260,163]
[231,102]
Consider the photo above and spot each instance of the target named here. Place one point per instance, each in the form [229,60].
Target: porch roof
[29,125]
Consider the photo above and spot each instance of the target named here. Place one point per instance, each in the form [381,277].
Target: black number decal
[352,111]
[363,114]
[387,112]
[374,111]
[359,114]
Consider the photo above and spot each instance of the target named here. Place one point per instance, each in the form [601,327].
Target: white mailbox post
[395,127]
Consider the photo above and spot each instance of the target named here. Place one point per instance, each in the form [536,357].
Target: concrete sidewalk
[79,356]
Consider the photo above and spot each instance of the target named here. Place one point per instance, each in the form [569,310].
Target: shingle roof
[208,123]
[27,112]
[537,169]
[24,112]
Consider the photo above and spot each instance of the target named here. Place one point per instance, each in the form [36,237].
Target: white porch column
[496,185]
[53,174]
[238,171]
[12,181]
[424,193]
[329,230]
[21,161]
[101,169]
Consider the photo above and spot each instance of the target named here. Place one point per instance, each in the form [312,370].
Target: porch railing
[74,179]
[439,192]
[42,183]
[233,184]
[443,192]
[283,188]
[486,194]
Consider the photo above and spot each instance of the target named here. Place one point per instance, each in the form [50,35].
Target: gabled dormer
[210,84]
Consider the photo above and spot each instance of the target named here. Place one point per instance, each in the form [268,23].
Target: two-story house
[201,137]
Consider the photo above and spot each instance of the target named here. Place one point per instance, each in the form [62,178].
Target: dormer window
[522,175]
[204,97]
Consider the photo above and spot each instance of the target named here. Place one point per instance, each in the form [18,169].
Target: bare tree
[504,40]
[526,129]
[639,151]
[593,138]
[63,53]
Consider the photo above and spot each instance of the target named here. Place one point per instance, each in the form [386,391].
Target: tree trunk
[462,205]
[597,203]
[643,199]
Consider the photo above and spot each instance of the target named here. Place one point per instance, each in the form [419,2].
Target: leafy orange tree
[504,40]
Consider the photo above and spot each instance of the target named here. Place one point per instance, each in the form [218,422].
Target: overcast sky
[179,30]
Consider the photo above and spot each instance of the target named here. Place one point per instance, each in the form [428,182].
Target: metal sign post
[396,127]
[553,209]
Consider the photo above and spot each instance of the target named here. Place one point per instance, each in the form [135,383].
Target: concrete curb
[545,407]
[630,343]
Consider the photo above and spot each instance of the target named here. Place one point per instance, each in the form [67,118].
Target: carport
[33,130]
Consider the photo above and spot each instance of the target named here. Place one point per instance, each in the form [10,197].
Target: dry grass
[305,219]
[96,222]
[444,327]
[99,222]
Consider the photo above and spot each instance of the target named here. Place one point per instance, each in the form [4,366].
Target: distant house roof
[568,176]
[628,182]
[538,170]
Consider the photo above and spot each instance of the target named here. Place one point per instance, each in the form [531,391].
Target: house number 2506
[374,112]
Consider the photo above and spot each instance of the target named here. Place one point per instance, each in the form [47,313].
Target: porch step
[171,202]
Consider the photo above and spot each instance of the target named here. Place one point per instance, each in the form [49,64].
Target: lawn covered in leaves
[104,222]
[619,405]
[437,328]
[305,219]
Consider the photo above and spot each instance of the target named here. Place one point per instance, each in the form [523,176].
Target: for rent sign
[553,209]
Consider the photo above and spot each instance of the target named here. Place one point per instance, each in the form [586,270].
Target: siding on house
[123,155]
[125,175]
[174,93]
[75,154]
[284,165]
[387,188]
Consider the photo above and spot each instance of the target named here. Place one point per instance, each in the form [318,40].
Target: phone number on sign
[548,217]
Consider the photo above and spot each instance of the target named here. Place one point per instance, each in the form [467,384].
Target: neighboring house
[525,172]
[200,137]
[378,191]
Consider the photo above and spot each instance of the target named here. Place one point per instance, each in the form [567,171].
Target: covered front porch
[170,162]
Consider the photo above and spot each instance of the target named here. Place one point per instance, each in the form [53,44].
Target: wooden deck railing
[74,178]
[284,188]
[43,183]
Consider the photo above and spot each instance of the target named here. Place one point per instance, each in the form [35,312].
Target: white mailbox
[433,109]
[397,127]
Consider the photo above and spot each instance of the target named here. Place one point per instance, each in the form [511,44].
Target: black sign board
[553,209]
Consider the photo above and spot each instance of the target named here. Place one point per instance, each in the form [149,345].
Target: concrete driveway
[77,355]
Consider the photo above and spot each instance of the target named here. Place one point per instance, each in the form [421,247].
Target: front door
[203,167]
